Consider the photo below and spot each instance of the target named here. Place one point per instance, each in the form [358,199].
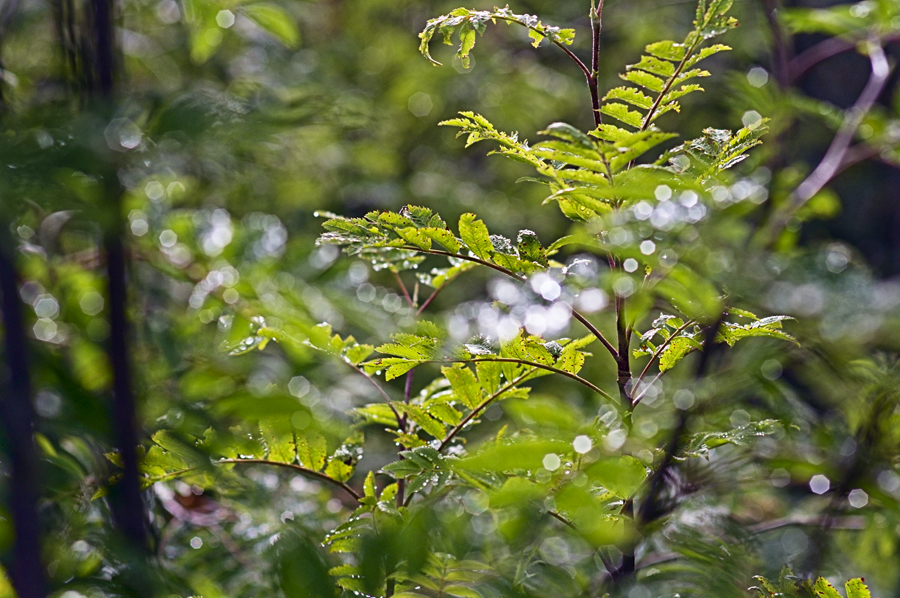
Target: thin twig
[829,48]
[431,298]
[561,46]
[659,351]
[377,386]
[834,156]
[593,329]
[541,366]
[636,401]
[594,78]
[478,409]
[559,517]
[780,48]
[409,300]
[303,470]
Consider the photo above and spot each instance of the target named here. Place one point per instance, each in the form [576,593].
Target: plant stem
[780,48]
[469,258]
[478,409]
[656,354]
[594,77]
[541,366]
[402,286]
[428,301]
[623,358]
[562,47]
[303,470]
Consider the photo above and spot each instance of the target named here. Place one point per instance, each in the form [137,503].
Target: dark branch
[299,468]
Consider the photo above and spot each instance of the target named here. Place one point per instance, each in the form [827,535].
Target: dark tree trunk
[17,420]
[128,508]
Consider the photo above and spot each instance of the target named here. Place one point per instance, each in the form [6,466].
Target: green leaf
[311,450]
[529,247]
[444,413]
[338,470]
[856,588]
[644,79]
[700,444]
[369,485]
[519,455]
[444,237]
[402,469]
[464,384]
[620,475]
[488,376]
[281,446]
[677,350]
[622,113]
[630,95]
[667,50]
[824,589]
[389,493]
[705,53]
[461,591]
[358,353]
[571,360]
[475,235]
[655,66]
[423,420]
[378,413]
[467,22]
[393,367]
[466,43]
[275,20]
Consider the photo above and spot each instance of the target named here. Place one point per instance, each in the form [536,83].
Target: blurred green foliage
[307,432]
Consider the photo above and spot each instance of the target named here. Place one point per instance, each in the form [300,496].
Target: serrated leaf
[644,79]
[488,376]
[464,384]
[466,43]
[461,591]
[571,360]
[444,237]
[823,589]
[444,413]
[856,588]
[338,470]
[677,350]
[655,66]
[705,53]
[630,95]
[402,469]
[529,247]
[311,450]
[667,50]
[423,420]
[358,353]
[281,446]
[622,113]
[475,235]
[369,485]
